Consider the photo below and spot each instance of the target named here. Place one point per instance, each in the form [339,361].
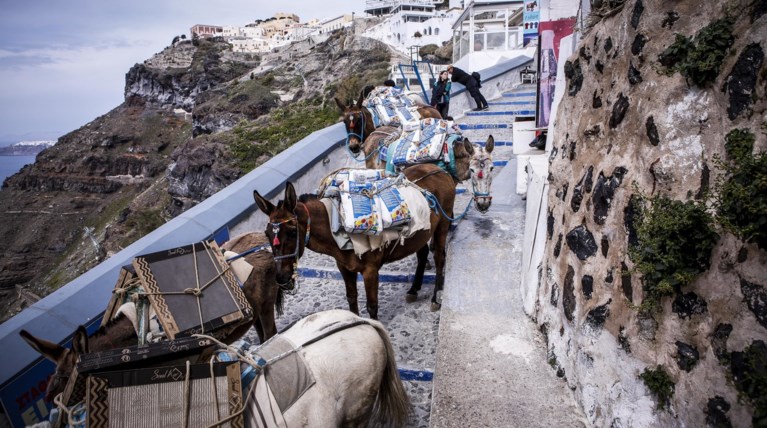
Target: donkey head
[64,358]
[463,151]
[481,166]
[285,233]
[355,118]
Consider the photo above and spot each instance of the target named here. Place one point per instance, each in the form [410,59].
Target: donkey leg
[422,256]
[370,276]
[266,319]
[440,253]
[259,329]
[350,280]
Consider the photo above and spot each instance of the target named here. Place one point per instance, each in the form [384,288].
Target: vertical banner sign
[531,16]
[548,50]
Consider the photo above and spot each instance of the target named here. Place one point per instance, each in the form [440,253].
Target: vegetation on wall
[741,191]
[674,243]
[255,142]
[660,385]
[749,369]
[699,59]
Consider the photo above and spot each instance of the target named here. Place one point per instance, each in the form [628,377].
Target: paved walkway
[491,368]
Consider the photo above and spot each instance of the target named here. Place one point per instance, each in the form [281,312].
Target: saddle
[370,208]
[392,107]
[431,142]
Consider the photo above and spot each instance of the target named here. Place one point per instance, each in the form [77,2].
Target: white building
[487,32]
[336,23]
[415,25]
[249,45]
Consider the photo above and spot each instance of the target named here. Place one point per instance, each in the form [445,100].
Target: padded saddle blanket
[426,143]
[286,379]
[392,107]
[369,210]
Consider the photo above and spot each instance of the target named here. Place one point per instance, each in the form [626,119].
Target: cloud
[62,64]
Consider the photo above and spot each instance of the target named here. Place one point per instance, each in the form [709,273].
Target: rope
[185,416]
[248,252]
[64,409]
[214,388]
[197,291]
[433,201]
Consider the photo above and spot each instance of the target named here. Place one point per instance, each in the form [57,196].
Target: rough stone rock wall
[628,129]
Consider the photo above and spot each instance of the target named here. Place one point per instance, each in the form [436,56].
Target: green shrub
[660,385]
[741,191]
[739,144]
[674,243]
[287,125]
[700,59]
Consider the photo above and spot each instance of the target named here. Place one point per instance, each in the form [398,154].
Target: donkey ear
[340,105]
[469,146]
[49,350]
[263,204]
[490,144]
[362,98]
[80,341]
[290,197]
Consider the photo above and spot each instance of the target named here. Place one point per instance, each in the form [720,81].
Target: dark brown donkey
[261,290]
[360,125]
[290,224]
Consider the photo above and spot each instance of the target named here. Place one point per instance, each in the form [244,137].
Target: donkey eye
[492,168]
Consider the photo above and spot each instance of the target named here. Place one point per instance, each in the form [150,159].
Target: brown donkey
[360,126]
[297,225]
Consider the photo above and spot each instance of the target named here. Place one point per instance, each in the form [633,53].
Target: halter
[359,136]
[276,241]
[481,175]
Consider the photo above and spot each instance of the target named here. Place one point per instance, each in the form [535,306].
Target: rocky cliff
[196,117]
[653,293]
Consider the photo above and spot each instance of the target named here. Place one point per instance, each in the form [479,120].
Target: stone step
[508,103]
[502,113]
[518,94]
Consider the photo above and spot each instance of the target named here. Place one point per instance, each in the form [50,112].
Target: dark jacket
[440,93]
[461,76]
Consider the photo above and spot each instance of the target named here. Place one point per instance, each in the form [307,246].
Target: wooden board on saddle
[186,395]
[192,290]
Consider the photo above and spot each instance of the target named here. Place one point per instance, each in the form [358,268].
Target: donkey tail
[392,406]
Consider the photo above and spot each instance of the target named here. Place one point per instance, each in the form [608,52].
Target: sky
[63,63]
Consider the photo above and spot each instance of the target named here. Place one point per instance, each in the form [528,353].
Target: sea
[10,165]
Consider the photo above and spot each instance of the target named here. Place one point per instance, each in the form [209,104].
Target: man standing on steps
[471,85]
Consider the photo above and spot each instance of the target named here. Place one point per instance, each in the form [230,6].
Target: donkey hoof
[435,307]
[411,298]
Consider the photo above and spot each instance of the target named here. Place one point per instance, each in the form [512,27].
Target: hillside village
[406,23]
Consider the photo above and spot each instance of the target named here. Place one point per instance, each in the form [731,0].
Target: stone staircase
[491,364]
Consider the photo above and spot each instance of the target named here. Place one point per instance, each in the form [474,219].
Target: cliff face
[117,178]
[653,285]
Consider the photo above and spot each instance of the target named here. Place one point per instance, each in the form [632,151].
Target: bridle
[296,254]
[350,133]
[480,176]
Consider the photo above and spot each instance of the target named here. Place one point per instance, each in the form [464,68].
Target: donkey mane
[104,329]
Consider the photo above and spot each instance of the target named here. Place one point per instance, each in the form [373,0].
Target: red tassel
[276,241]
[480,175]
